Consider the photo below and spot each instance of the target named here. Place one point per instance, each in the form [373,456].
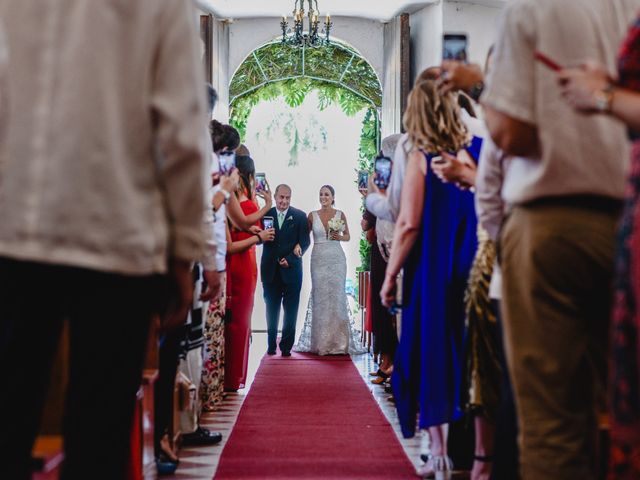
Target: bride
[328,327]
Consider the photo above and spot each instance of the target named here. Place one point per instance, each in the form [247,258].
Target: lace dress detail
[329,328]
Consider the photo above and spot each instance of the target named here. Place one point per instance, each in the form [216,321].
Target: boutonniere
[290,217]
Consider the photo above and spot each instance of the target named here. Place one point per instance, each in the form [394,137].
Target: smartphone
[363,180]
[546,61]
[383,172]
[454,47]
[227,162]
[267,222]
[261,182]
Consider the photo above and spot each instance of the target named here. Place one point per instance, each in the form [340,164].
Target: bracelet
[604,98]
[259,239]
[226,195]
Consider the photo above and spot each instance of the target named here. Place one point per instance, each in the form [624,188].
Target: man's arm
[303,237]
[516,138]
[509,98]
[303,234]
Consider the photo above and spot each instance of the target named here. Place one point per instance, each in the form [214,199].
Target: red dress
[242,276]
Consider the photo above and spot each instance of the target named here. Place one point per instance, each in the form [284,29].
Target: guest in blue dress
[435,243]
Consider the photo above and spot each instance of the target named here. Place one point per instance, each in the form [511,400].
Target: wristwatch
[259,238]
[226,194]
[604,99]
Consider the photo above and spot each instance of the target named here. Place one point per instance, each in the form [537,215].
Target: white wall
[477,21]
[430,23]
[366,36]
[426,38]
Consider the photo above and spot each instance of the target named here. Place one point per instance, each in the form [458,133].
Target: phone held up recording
[227,162]
[363,180]
[261,182]
[267,223]
[383,172]
[455,46]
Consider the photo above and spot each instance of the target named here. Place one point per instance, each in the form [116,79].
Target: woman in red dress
[242,276]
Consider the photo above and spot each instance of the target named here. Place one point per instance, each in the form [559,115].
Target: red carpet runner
[309,417]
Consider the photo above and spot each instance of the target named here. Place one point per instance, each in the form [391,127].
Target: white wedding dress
[329,328]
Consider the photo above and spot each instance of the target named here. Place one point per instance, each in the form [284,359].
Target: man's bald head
[283,197]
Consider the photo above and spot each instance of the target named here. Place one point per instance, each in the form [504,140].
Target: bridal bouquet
[336,225]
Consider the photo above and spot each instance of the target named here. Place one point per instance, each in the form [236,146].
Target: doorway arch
[338,72]
[334,76]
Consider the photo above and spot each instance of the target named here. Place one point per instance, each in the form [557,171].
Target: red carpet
[309,417]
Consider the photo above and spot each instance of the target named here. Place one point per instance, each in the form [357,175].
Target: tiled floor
[200,463]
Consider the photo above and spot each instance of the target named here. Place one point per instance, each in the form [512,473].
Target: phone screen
[227,162]
[267,222]
[261,182]
[383,172]
[454,47]
[363,180]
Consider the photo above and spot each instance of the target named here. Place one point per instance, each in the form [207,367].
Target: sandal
[439,467]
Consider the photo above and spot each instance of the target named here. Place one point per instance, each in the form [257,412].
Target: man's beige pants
[557,264]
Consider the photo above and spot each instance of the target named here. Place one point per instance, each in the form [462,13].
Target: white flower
[336,225]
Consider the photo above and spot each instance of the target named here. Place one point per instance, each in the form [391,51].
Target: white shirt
[106,156]
[220,222]
[490,206]
[387,207]
[581,154]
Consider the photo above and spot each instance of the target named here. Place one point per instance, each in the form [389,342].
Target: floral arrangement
[336,225]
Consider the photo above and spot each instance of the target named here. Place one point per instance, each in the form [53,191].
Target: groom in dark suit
[281,269]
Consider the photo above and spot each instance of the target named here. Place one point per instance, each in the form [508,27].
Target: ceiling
[373,9]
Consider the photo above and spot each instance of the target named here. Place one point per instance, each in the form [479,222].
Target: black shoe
[271,352]
[201,436]
[165,467]
[286,354]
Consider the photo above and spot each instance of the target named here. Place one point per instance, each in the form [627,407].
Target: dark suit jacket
[295,230]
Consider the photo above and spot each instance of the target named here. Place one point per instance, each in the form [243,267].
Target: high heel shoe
[438,467]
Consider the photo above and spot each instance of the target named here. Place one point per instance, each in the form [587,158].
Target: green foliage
[336,63]
[365,255]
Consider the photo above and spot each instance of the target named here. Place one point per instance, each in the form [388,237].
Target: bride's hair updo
[333,192]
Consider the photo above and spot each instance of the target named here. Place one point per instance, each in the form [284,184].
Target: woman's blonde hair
[433,121]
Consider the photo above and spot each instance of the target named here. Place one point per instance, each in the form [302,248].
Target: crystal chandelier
[298,36]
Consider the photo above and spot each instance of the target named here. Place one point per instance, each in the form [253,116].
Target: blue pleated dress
[428,366]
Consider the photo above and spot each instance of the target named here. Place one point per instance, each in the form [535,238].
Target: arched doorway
[312,100]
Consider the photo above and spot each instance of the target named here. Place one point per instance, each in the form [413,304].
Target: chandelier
[298,36]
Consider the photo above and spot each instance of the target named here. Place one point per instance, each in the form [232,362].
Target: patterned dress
[212,384]
[483,370]
[625,365]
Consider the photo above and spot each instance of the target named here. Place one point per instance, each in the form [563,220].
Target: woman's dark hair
[333,192]
[247,170]
[223,136]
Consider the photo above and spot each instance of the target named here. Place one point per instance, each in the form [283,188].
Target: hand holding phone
[268,223]
[261,182]
[227,162]
[363,181]
[383,172]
